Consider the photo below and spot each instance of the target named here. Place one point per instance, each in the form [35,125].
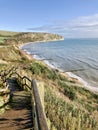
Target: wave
[60,57]
[37,57]
[50,64]
[28,52]
[87,64]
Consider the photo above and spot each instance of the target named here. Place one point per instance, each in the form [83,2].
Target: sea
[77,57]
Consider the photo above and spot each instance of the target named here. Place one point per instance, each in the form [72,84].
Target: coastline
[69,75]
[44,41]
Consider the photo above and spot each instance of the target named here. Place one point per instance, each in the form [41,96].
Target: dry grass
[7,33]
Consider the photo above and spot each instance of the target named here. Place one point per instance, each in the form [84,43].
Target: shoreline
[82,83]
[44,41]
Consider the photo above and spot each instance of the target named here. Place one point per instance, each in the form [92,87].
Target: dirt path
[19,116]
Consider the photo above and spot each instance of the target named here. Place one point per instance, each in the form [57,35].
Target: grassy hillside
[68,105]
[1,39]
[7,33]
[19,38]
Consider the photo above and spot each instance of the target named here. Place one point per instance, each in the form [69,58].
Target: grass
[67,105]
[7,33]
[68,91]
[78,111]
[67,116]
[2,40]
[42,70]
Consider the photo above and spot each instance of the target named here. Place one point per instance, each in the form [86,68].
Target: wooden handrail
[12,71]
[20,78]
[41,118]
[26,78]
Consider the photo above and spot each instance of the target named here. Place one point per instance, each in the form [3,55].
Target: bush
[39,69]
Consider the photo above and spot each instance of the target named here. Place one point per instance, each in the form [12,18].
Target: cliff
[32,37]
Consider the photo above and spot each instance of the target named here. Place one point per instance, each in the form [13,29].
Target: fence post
[40,115]
[35,125]
[40,85]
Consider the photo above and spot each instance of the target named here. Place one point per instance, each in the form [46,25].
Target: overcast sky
[71,18]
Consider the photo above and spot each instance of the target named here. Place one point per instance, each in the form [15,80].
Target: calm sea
[75,56]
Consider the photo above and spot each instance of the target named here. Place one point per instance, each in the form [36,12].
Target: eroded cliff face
[21,38]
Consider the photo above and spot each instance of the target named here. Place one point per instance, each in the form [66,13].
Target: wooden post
[41,118]
[40,85]
[35,125]
[24,86]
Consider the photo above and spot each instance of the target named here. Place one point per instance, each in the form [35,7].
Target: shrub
[39,69]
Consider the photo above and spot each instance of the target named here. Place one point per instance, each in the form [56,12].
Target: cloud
[83,27]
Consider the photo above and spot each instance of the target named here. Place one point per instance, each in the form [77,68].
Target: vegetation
[77,109]
[1,39]
[7,33]
[68,105]
[42,70]
[4,35]
[62,115]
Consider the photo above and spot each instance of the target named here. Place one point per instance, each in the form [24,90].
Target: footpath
[18,117]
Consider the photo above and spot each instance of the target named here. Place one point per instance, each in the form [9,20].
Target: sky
[70,18]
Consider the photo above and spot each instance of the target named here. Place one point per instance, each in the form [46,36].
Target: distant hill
[7,33]
[20,38]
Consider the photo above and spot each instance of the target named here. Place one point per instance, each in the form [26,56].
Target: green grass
[68,91]
[42,70]
[67,116]
[6,35]
[2,39]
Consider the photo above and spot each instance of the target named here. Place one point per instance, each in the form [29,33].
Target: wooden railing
[37,99]
[24,81]
[40,122]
